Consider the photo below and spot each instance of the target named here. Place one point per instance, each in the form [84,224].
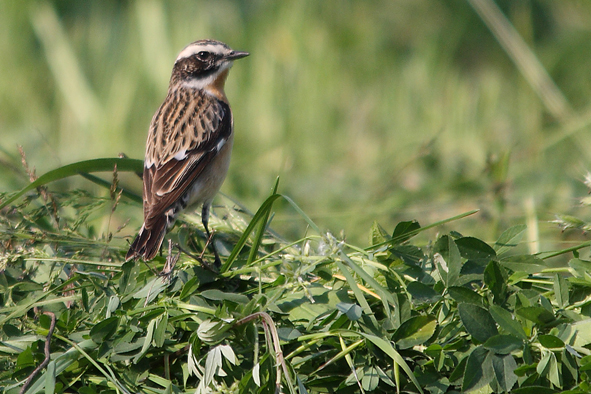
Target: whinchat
[189,143]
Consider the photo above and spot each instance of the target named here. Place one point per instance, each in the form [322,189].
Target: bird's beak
[234,55]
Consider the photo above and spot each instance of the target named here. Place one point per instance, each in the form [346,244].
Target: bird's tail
[148,241]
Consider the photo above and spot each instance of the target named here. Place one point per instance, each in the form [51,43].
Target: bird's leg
[198,258]
[171,261]
[207,243]
[205,221]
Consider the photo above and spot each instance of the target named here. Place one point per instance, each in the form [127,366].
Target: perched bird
[189,143]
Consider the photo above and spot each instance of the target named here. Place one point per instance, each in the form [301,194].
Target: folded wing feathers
[205,127]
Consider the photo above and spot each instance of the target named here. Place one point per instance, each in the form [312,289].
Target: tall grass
[387,110]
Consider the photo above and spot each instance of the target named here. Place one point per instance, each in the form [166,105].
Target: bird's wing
[186,134]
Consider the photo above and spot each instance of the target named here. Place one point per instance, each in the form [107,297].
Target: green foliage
[314,315]
[367,109]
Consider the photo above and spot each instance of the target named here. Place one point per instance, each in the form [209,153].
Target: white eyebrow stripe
[193,49]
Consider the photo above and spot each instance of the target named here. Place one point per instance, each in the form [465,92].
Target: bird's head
[204,63]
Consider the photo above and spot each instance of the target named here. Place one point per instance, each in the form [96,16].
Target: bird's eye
[203,55]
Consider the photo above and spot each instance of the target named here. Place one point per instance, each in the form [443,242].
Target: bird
[189,144]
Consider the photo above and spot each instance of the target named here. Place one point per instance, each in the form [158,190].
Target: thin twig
[47,353]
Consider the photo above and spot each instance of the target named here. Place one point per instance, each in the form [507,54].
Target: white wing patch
[180,155]
[220,144]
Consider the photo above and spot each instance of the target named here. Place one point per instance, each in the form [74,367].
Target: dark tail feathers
[148,241]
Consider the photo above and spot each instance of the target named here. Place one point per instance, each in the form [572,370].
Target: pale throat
[216,87]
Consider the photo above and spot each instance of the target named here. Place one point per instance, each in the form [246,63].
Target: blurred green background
[367,110]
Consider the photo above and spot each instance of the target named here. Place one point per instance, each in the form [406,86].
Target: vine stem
[47,354]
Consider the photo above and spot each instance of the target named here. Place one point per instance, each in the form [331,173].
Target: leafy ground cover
[308,315]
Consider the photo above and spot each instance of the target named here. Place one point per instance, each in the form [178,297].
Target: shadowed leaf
[477,321]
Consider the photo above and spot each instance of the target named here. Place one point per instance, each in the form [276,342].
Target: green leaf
[113,305]
[405,231]
[385,378]
[353,311]
[569,361]
[388,299]
[104,329]
[495,278]
[260,219]
[474,249]
[503,344]
[129,273]
[261,228]
[524,263]
[25,358]
[217,295]
[160,332]
[359,296]
[554,374]
[580,266]
[510,238]
[576,334]
[122,347]
[459,370]
[65,360]
[212,332]
[228,353]
[477,321]
[377,234]
[561,290]
[421,293]
[448,260]
[151,290]
[479,370]
[96,165]
[147,341]
[504,367]
[525,369]
[288,333]
[507,322]
[550,341]
[50,378]
[387,348]
[409,254]
[464,295]
[190,287]
[415,331]
[212,364]
[85,299]
[534,390]
[256,375]
[537,314]
[370,379]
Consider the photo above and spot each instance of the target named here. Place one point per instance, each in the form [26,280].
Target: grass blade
[415,232]
[258,238]
[95,165]
[358,295]
[387,348]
